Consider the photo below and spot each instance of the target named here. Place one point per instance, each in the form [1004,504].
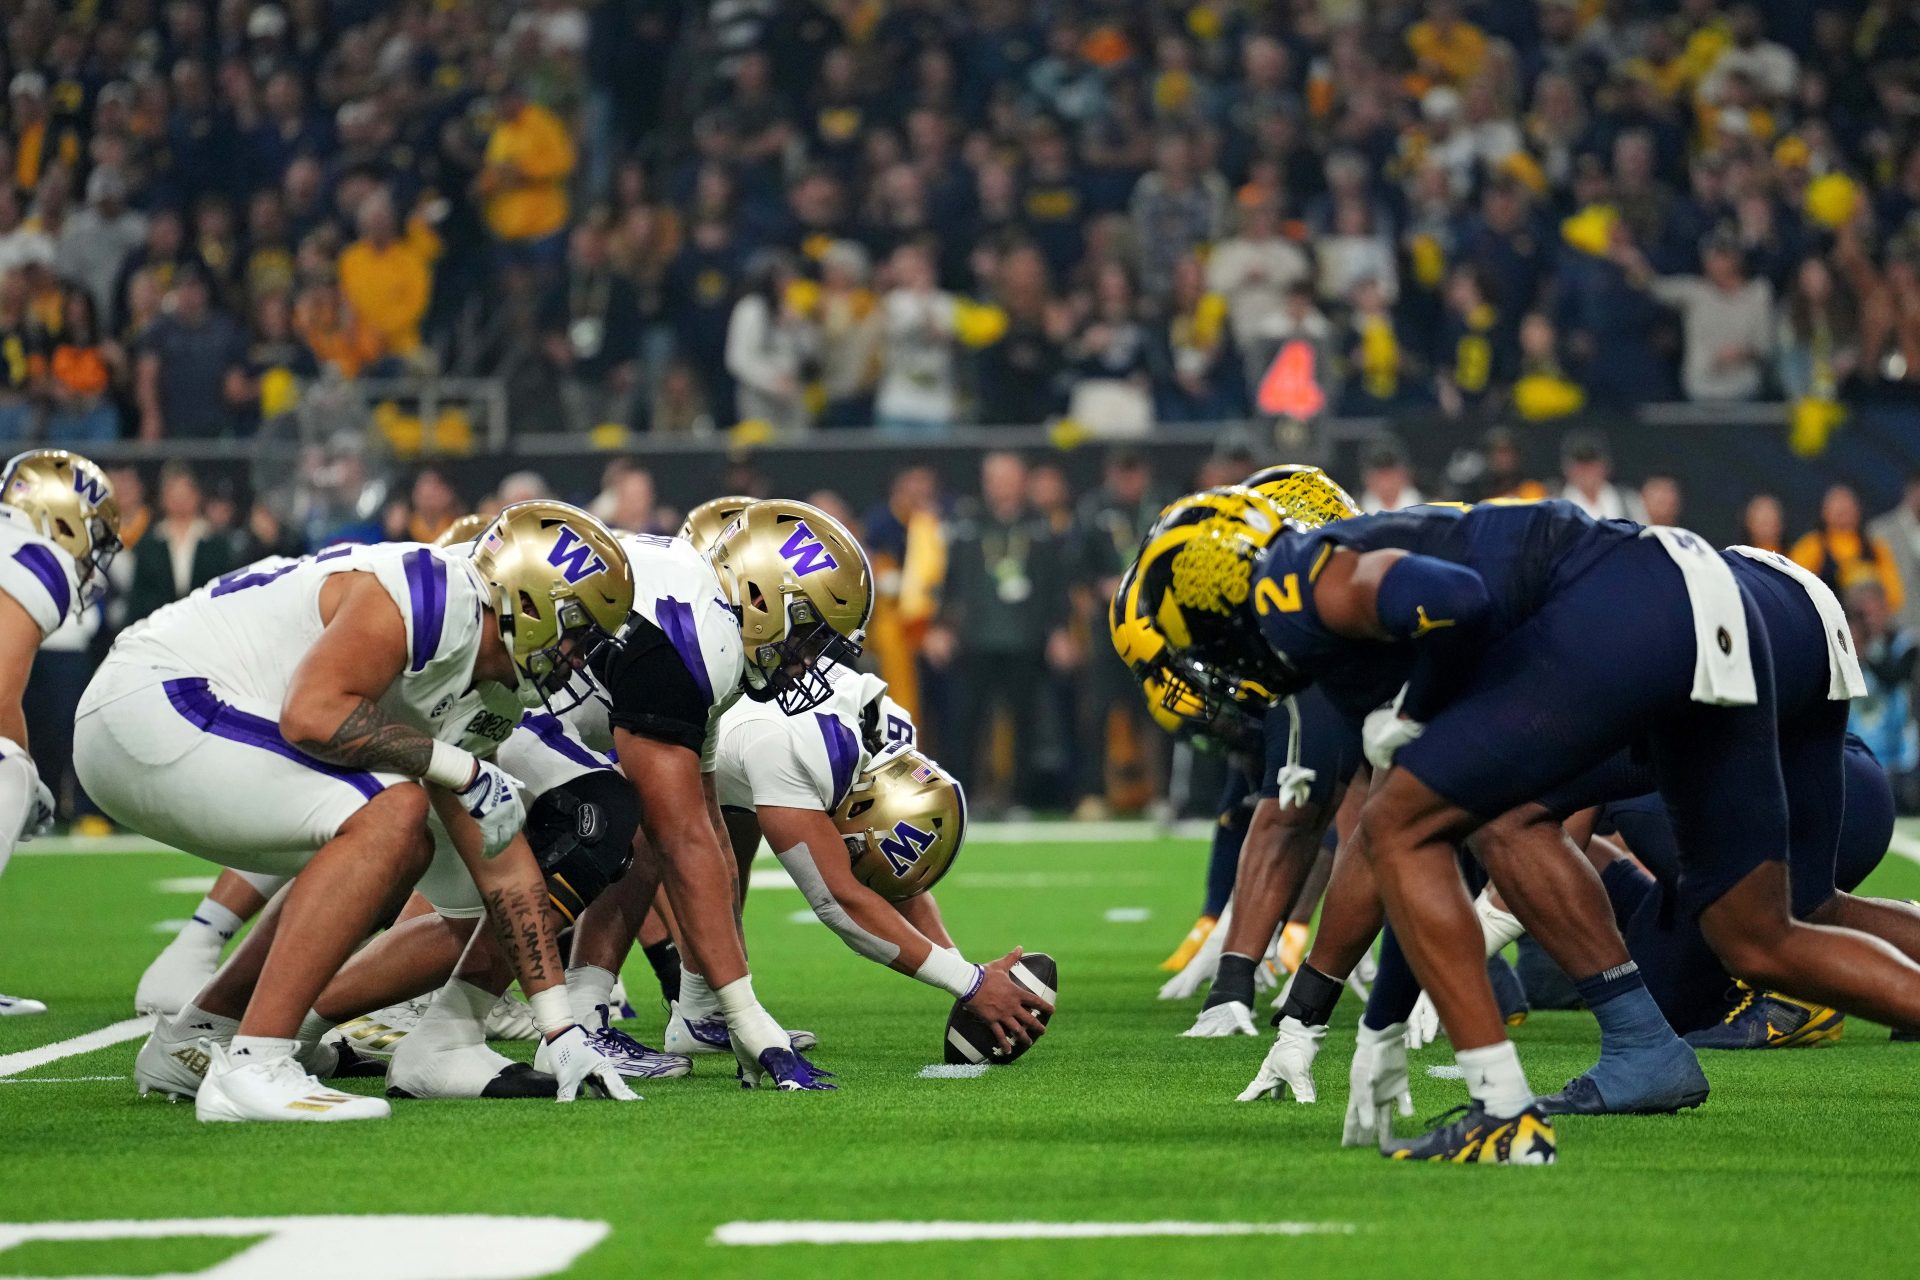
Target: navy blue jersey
[1523,552]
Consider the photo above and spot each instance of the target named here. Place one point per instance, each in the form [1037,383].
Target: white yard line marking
[802,917]
[1127,915]
[1444,1071]
[1906,846]
[184,884]
[61,1079]
[766,1233]
[71,846]
[168,927]
[953,1070]
[12,1064]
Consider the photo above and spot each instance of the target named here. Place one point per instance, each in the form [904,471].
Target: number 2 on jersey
[1284,598]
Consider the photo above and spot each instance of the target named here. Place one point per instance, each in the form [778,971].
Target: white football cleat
[1229,1019]
[377,1034]
[275,1089]
[174,1059]
[19,1007]
[687,1036]
[178,974]
[511,1018]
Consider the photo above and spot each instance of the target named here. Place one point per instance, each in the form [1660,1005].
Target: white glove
[1498,926]
[1385,731]
[493,801]
[40,813]
[1289,1064]
[1376,1082]
[1423,1024]
[571,1059]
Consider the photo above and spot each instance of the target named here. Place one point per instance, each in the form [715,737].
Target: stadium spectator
[1817,336]
[1660,500]
[22,360]
[1109,356]
[529,157]
[1253,270]
[1899,531]
[1019,375]
[386,281]
[770,344]
[1002,621]
[83,369]
[919,390]
[1586,467]
[1764,524]
[1884,718]
[98,237]
[1176,208]
[1386,480]
[1200,378]
[1727,320]
[181,551]
[1842,553]
[591,323]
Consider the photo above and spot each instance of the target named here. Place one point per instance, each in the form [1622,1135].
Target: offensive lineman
[327,689]
[59,530]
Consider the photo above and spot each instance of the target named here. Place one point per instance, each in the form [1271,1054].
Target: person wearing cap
[1587,468]
[96,239]
[1727,324]
[1386,480]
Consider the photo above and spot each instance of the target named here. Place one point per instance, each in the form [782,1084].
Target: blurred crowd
[991,596]
[678,215]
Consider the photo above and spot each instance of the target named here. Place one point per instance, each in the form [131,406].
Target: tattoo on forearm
[525,931]
[370,739]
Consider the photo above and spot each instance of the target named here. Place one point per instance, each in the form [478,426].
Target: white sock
[588,987]
[246,1049]
[211,928]
[697,999]
[1495,1080]
[192,1020]
[457,1015]
[748,1025]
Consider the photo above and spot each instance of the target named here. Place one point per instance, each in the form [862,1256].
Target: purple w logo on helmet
[805,552]
[574,558]
[88,487]
[904,847]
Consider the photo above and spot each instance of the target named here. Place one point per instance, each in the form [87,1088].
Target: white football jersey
[677,590]
[807,760]
[37,572]
[249,630]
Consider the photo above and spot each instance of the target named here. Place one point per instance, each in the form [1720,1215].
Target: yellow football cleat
[1468,1135]
[1196,938]
[1769,1020]
[1294,939]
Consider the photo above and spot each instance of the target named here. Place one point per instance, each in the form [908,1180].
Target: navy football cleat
[1468,1135]
[1654,1081]
[1769,1020]
[788,1072]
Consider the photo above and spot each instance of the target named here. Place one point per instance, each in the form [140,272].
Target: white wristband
[946,970]
[552,1009]
[449,767]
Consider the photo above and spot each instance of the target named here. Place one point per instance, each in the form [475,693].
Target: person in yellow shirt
[529,157]
[1842,553]
[387,280]
[1446,47]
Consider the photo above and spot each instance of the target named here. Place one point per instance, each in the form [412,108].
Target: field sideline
[1112,1120]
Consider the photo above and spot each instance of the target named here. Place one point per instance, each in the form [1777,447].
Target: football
[971,1040]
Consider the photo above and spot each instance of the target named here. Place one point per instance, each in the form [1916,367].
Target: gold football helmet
[1303,493]
[904,821]
[1192,585]
[69,501]
[462,531]
[803,590]
[562,591]
[704,523]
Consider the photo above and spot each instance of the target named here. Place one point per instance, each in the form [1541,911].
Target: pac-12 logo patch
[805,552]
[573,557]
[904,847]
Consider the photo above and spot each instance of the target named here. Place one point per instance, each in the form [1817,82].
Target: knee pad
[582,835]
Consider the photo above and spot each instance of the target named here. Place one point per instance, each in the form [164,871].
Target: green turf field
[1111,1119]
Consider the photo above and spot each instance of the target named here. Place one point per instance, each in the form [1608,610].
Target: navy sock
[1395,989]
[665,959]
[1233,981]
[1627,886]
[1223,864]
[1628,1017]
